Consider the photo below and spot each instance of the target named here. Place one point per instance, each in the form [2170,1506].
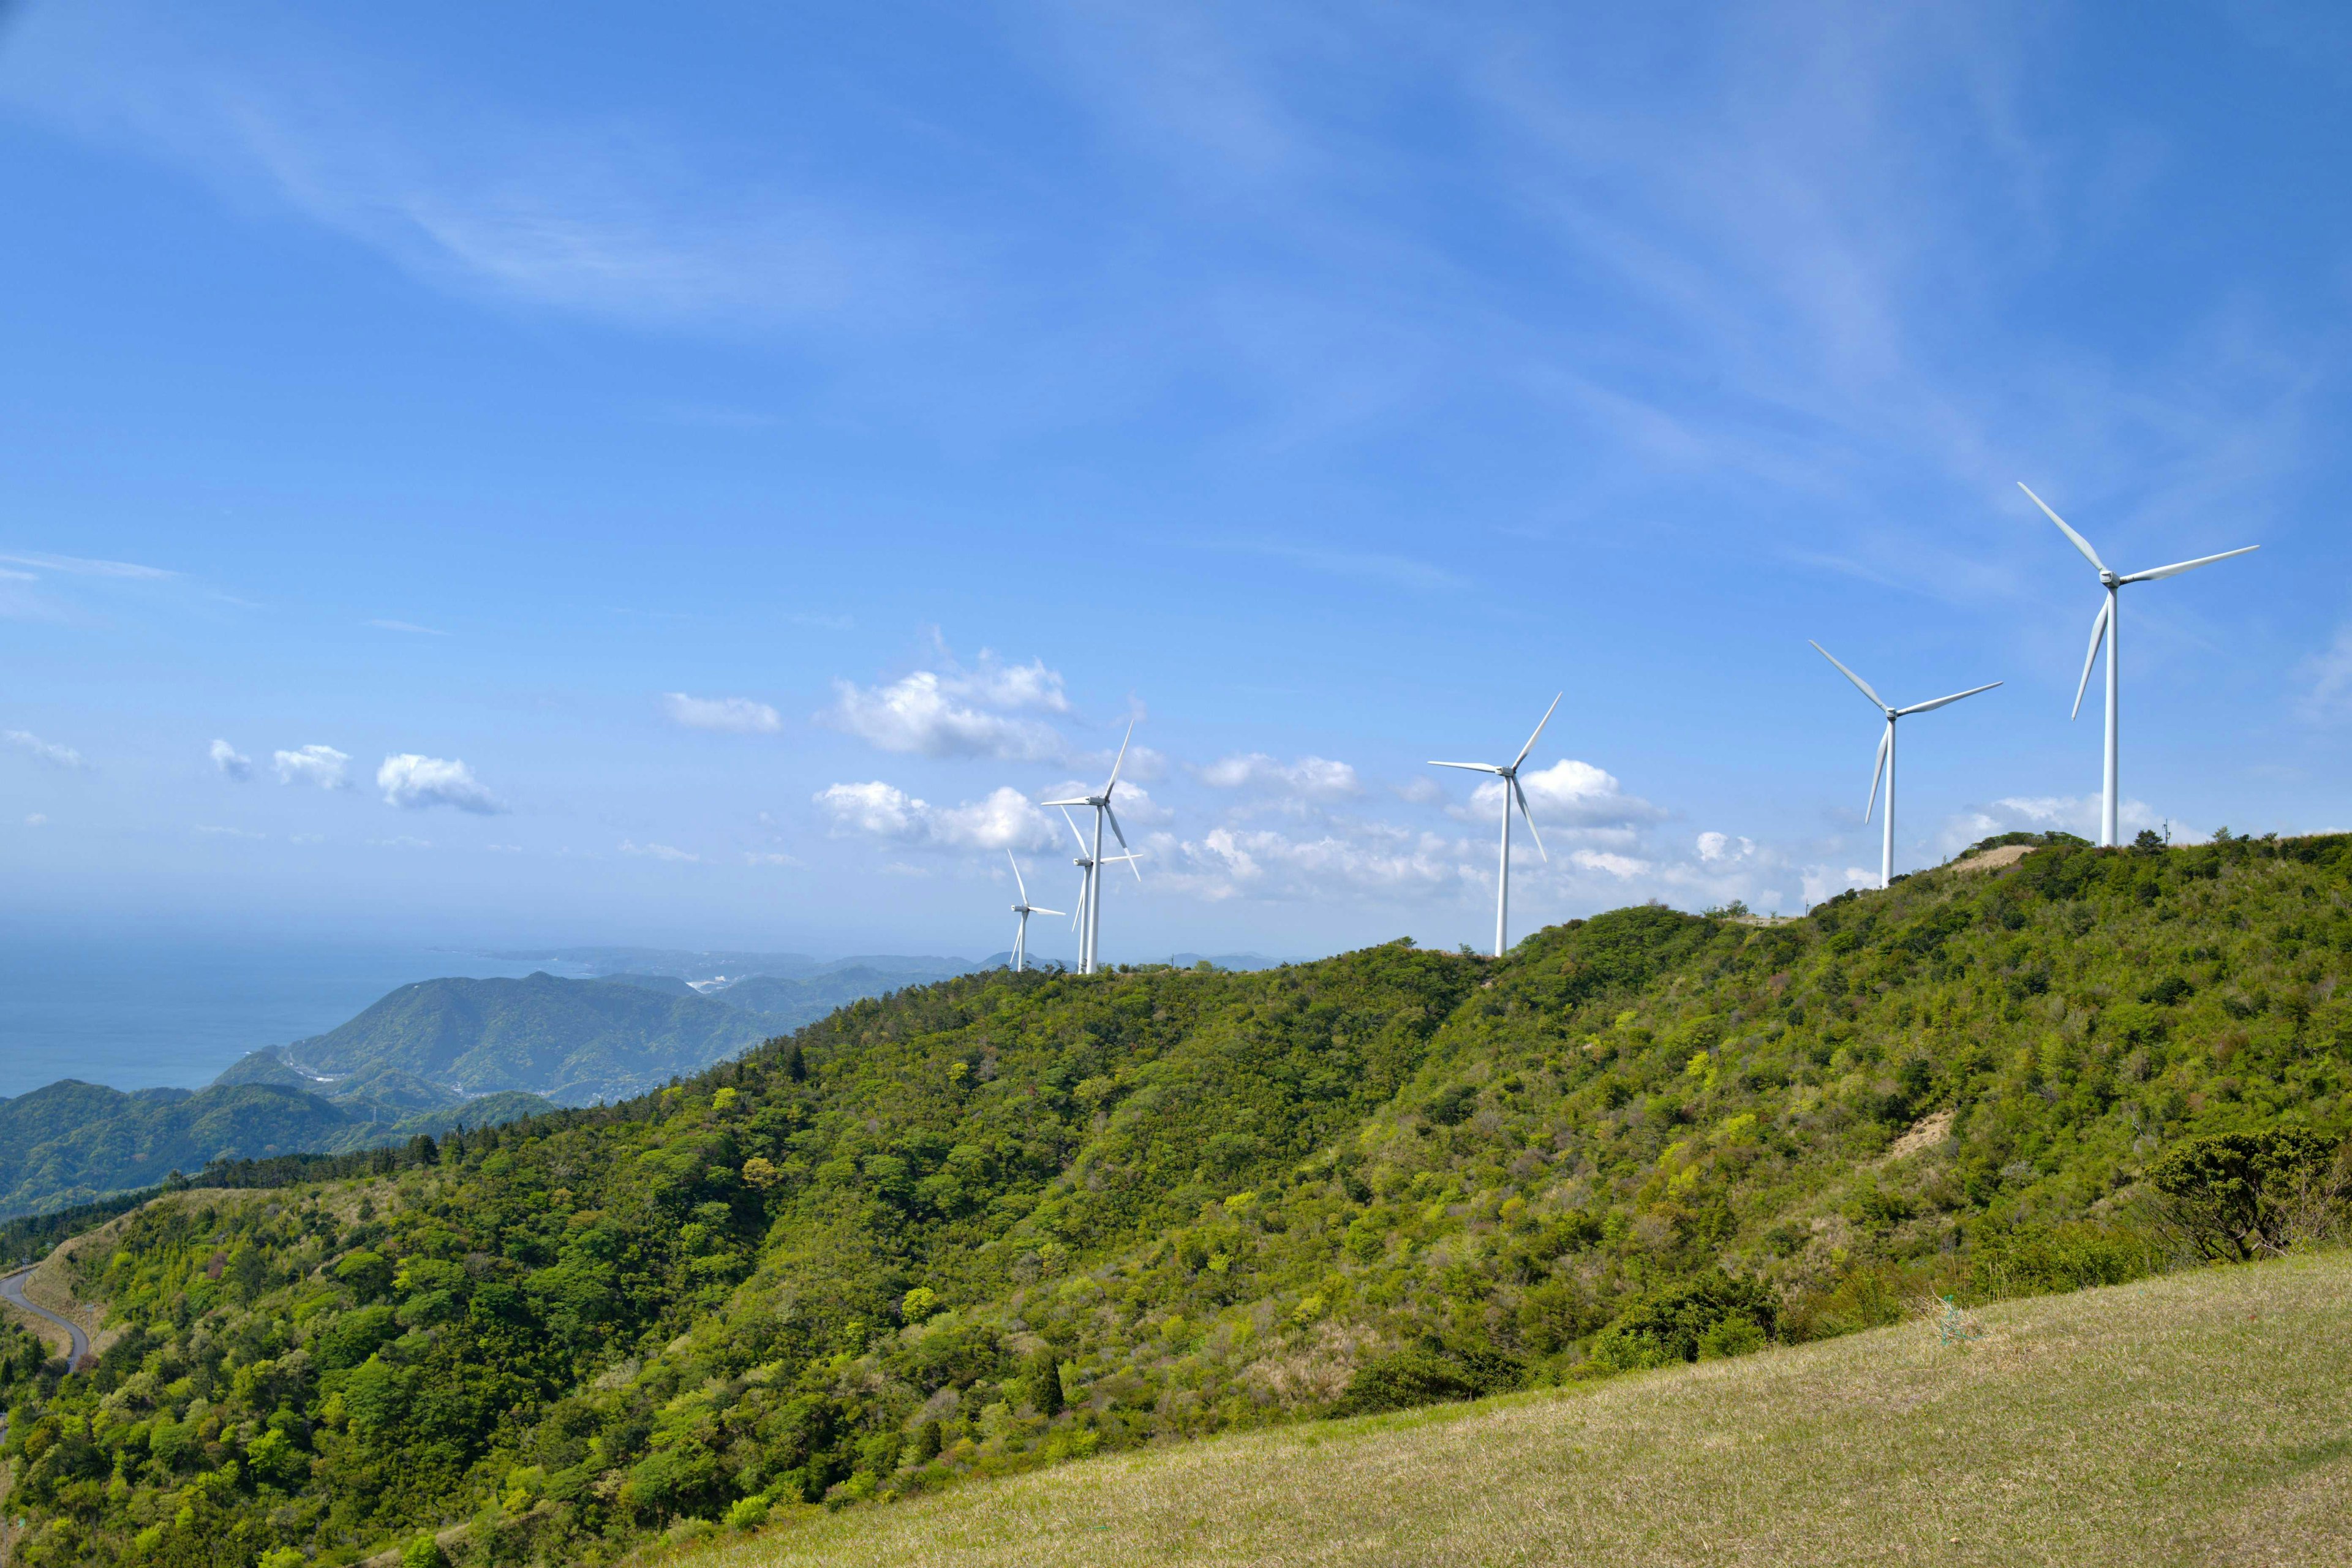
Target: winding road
[12,1285]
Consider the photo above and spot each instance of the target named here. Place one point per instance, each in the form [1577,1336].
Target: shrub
[1668,1324]
[1428,1374]
[2034,1260]
[423,1552]
[2237,1195]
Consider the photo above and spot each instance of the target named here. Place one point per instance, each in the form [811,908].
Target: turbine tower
[1086,865]
[2104,625]
[1092,861]
[1511,792]
[1885,766]
[1024,909]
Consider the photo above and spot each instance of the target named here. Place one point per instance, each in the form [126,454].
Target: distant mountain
[72,1141]
[574,1041]
[638,963]
[792,1003]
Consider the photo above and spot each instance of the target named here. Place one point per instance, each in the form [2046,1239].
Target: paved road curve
[12,1285]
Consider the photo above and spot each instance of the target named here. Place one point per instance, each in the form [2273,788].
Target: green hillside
[1004,1220]
[2192,1421]
[71,1142]
[788,1002]
[570,1041]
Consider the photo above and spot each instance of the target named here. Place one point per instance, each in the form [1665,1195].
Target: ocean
[152,1013]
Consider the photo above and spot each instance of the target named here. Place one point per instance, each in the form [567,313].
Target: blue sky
[534,476]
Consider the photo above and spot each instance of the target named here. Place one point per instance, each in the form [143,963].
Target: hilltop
[1004,1220]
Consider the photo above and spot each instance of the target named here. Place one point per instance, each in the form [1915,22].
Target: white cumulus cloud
[414,782]
[1568,793]
[736,715]
[231,762]
[956,712]
[49,752]
[322,765]
[1005,819]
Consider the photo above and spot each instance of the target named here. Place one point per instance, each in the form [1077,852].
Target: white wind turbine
[1024,909]
[1086,863]
[1092,908]
[1511,792]
[1883,768]
[2104,625]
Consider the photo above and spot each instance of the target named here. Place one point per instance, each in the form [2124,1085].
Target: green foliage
[1430,1374]
[1006,1219]
[2238,1196]
[1712,1314]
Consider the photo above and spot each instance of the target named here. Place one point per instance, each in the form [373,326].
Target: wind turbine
[1885,766]
[2104,624]
[1024,909]
[1511,792]
[1091,862]
[1086,891]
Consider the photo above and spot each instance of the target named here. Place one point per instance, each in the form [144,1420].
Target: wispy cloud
[593,217]
[48,751]
[228,832]
[414,782]
[232,762]
[1317,778]
[2327,681]
[80,566]
[411,627]
[659,852]
[1357,565]
[735,715]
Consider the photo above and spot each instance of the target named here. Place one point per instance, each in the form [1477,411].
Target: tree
[2238,1195]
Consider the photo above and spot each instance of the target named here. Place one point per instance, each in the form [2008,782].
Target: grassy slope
[2197,1418]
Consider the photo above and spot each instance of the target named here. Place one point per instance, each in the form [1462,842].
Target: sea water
[153,1012]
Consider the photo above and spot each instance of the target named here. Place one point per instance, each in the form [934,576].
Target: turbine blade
[1880,703]
[1540,730]
[2098,631]
[1041,909]
[1079,802]
[2178,567]
[1075,834]
[1474,767]
[1941,701]
[1115,833]
[1878,768]
[1121,760]
[2081,544]
[1017,882]
[1522,796]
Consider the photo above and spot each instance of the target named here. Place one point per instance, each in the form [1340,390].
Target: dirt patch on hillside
[1994,859]
[1925,1134]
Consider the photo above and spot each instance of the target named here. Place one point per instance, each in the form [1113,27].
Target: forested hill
[1007,1218]
[71,1142]
[569,1040]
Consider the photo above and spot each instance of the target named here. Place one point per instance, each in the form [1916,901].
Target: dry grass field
[2201,1419]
